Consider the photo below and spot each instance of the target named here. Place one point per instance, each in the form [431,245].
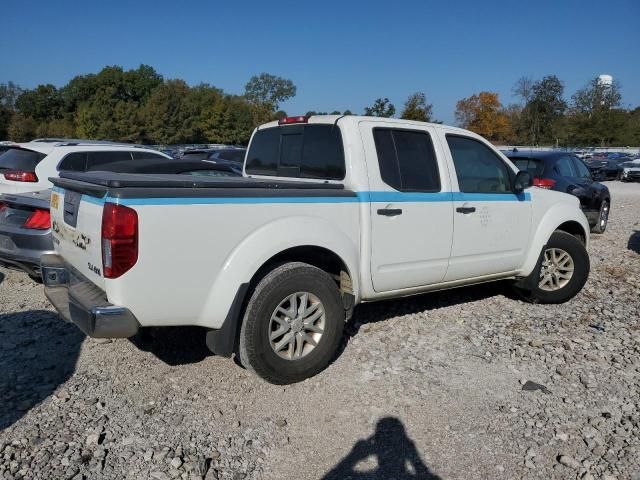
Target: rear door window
[407,160]
[564,167]
[96,160]
[581,168]
[75,162]
[20,159]
[302,151]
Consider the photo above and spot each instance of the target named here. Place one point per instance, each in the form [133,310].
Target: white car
[332,211]
[26,167]
[630,171]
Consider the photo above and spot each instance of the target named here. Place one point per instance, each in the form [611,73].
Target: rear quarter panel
[194,257]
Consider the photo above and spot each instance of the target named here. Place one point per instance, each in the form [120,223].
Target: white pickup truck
[331,211]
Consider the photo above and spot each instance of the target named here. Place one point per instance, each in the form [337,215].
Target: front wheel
[563,272]
[603,218]
[292,324]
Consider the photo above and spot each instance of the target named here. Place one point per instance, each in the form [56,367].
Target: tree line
[140,106]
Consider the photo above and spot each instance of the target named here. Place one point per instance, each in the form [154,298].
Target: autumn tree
[482,113]
[417,108]
[381,108]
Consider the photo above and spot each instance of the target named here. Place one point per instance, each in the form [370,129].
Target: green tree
[43,103]
[596,117]
[9,92]
[265,92]
[22,129]
[381,108]
[417,108]
[544,107]
[168,116]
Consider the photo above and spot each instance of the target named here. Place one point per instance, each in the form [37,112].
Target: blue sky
[340,54]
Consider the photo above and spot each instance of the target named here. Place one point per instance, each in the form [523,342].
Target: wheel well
[575,229]
[319,257]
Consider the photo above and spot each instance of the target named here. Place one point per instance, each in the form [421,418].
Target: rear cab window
[312,151]
[20,159]
[407,159]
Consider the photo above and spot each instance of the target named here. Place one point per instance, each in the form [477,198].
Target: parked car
[26,167]
[25,223]
[332,211]
[564,172]
[25,230]
[229,154]
[630,171]
[604,168]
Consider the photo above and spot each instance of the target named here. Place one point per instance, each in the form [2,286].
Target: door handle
[465,210]
[390,212]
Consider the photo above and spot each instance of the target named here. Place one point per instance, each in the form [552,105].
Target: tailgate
[76,223]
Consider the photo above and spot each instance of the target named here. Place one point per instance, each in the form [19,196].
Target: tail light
[119,239]
[20,176]
[544,182]
[39,220]
[289,120]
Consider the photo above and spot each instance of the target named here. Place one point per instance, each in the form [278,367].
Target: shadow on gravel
[38,352]
[634,241]
[1,277]
[174,345]
[386,309]
[394,452]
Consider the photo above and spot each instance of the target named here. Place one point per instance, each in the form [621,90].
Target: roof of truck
[328,119]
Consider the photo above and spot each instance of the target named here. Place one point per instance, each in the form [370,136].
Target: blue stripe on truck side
[361,197]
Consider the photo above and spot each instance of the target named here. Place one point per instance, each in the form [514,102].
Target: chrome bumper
[81,302]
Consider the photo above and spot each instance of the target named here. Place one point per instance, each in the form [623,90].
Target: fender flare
[553,218]
[267,241]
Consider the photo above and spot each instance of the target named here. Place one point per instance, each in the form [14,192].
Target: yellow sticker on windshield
[54,200]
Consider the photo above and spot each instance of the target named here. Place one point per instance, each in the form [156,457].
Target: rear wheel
[292,324]
[603,218]
[563,272]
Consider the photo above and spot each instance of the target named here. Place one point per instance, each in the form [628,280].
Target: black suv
[565,172]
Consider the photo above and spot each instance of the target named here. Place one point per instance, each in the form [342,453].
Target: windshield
[20,159]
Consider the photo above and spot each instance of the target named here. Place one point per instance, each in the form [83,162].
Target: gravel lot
[436,386]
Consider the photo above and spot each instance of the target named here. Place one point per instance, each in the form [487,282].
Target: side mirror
[523,180]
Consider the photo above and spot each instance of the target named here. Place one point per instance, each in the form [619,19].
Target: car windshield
[532,165]
[20,159]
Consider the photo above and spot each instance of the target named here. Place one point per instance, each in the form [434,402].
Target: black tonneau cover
[131,185]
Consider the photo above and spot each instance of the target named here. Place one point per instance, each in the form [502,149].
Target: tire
[573,247]
[603,218]
[267,314]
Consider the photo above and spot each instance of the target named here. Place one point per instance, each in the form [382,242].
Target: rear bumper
[81,302]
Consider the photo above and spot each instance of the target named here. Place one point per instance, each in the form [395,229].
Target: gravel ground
[470,383]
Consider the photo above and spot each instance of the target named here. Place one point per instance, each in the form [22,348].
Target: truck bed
[128,185]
